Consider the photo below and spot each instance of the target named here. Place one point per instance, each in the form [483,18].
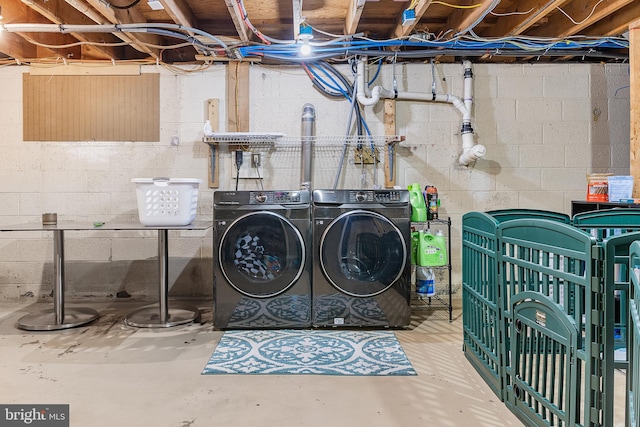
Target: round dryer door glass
[261,254]
[362,253]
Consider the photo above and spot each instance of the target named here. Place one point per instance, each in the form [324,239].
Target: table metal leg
[160,315]
[58,318]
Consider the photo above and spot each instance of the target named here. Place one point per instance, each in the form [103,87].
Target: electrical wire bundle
[333,84]
[413,47]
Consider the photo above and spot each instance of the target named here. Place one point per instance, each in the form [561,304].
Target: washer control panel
[274,197]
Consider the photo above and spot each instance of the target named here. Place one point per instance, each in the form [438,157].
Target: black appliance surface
[262,268]
[361,258]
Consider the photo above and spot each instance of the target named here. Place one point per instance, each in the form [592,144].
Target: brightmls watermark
[34,415]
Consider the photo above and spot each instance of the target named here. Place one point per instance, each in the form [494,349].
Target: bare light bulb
[305,48]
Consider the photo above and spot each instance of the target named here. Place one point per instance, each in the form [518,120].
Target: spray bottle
[431,197]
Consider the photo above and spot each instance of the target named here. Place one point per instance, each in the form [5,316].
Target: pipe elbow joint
[472,154]
[372,100]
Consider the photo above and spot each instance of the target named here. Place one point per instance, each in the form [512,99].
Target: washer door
[261,254]
[362,253]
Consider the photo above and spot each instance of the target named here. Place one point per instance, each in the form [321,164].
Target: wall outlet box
[365,155]
[252,165]
[408,16]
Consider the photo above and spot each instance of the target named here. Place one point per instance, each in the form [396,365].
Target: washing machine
[361,258]
[261,266]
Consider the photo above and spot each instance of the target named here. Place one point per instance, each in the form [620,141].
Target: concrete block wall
[545,127]
[91,181]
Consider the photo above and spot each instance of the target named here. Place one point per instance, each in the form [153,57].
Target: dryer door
[362,253]
[261,254]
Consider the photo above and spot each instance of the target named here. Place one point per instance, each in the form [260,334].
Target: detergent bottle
[441,242]
[418,205]
[431,251]
[425,282]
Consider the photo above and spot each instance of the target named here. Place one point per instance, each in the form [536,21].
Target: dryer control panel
[375,196]
[358,197]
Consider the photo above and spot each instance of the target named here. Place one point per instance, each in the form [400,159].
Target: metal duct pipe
[308,133]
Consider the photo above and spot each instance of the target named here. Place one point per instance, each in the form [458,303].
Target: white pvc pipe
[364,95]
[470,151]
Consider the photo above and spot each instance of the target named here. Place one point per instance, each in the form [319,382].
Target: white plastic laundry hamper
[167,201]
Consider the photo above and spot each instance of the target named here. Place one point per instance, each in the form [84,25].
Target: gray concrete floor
[111,374]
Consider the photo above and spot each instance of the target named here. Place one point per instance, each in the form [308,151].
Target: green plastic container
[418,206]
[432,250]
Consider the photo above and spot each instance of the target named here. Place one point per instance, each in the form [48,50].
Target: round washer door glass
[362,253]
[261,254]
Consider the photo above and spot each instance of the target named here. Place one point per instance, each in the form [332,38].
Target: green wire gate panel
[544,368]
[633,348]
[480,319]
[554,268]
[617,229]
[532,314]
[503,215]
[480,291]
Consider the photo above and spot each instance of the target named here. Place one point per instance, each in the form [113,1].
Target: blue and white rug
[313,352]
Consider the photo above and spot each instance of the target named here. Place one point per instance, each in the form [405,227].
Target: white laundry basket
[167,201]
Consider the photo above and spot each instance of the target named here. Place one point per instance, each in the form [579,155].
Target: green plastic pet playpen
[545,310]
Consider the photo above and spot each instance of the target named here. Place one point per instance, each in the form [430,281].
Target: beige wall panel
[91,108]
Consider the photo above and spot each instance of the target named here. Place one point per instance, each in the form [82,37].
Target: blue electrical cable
[523,45]
[335,88]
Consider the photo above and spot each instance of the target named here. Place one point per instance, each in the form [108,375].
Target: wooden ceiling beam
[404,30]
[517,24]
[238,20]
[180,12]
[461,20]
[57,12]
[616,24]
[137,41]
[17,47]
[581,11]
[49,41]
[354,12]
[12,44]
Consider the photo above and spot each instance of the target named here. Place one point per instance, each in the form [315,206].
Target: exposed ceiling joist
[403,30]
[461,20]
[184,31]
[238,20]
[55,12]
[354,12]
[617,23]
[528,14]
[583,14]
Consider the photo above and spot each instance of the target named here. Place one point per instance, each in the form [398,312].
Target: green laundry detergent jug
[418,205]
[442,243]
[432,251]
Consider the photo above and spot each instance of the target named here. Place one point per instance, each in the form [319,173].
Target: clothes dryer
[361,259]
[261,266]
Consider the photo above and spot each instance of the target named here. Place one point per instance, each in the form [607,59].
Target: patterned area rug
[314,352]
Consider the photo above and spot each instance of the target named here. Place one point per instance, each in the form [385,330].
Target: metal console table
[153,316]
